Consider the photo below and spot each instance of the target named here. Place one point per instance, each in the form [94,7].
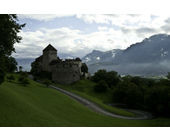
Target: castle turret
[49,54]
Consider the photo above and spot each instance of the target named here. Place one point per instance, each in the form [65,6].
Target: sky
[77,35]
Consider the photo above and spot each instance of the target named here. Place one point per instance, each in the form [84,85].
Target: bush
[23,80]
[10,78]
[2,76]
[46,82]
[24,74]
[101,86]
[35,78]
[168,76]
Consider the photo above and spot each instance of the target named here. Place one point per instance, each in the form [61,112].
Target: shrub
[101,86]
[10,78]
[168,76]
[46,82]
[23,80]
[35,78]
[44,75]
[2,76]
[24,74]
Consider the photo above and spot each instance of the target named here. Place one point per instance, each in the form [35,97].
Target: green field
[37,105]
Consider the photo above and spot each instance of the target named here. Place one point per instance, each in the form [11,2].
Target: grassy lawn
[37,105]
[84,88]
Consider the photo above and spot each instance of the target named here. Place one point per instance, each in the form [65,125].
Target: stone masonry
[63,71]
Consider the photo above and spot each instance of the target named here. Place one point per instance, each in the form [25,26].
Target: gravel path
[140,115]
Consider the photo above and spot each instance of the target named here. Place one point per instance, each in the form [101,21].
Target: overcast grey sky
[80,34]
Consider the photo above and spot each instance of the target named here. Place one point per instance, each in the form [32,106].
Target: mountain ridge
[148,57]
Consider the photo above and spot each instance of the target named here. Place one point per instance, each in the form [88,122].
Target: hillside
[37,105]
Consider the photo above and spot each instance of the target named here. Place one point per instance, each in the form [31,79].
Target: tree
[158,100]
[9,28]
[111,78]
[128,93]
[101,86]
[84,68]
[20,68]
[35,68]
[99,75]
[10,78]
[2,77]
[168,76]
[78,59]
[12,64]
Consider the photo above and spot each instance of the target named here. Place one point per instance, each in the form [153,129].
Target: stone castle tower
[49,54]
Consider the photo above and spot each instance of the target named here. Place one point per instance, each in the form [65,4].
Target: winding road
[140,115]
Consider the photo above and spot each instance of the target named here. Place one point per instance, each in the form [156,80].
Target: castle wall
[66,73]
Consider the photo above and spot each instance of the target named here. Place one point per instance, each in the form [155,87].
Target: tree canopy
[9,29]
[84,68]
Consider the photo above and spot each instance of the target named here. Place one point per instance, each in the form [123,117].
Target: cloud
[131,19]
[146,30]
[167,20]
[166,28]
[72,41]
[112,32]
[102,28]
[40,17]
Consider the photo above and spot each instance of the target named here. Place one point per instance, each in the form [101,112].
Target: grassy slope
[84,88]
[36,105]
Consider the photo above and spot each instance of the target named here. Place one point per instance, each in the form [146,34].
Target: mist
[141,69]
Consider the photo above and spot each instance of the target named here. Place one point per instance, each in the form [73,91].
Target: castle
[63,71]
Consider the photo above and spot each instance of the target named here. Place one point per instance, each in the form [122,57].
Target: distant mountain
[101,57]
[149,57]
[153,49]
